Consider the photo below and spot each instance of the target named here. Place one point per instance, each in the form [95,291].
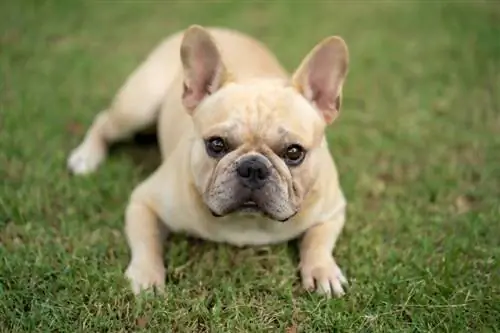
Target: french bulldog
[245,160]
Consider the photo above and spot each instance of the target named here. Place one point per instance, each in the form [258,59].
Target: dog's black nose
[253,172]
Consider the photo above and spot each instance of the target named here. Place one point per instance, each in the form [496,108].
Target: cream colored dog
[245,159]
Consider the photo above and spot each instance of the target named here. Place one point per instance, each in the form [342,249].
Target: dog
[245,160]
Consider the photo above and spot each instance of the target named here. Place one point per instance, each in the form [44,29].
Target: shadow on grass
[143,150]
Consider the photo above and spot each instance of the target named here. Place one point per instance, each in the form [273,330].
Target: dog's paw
[86,158]
[145,277]
[324,276]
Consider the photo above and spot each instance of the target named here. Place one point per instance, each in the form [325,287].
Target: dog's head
[258,144]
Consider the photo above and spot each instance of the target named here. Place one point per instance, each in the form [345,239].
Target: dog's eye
[216,146]
[294,155]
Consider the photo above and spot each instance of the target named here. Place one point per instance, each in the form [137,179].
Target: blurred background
[417,146]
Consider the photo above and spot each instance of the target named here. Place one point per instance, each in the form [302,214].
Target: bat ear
[320,76]
[202,64]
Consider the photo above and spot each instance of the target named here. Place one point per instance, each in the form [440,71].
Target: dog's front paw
[86,157]
[145,277]
[323,275]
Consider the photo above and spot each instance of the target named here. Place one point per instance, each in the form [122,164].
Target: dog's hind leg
[134,108]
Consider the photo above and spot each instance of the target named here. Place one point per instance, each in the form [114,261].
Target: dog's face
[257,149]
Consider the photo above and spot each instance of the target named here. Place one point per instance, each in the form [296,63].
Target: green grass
[417,146]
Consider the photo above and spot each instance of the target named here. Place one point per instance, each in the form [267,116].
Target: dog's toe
[326,277]
[146,278]
[85,159]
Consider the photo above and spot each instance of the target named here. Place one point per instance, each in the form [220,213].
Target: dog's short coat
[244,155]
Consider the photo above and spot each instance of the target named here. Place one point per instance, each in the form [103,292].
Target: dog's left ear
[204,71]
[321,75]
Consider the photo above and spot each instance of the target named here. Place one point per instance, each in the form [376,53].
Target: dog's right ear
[204,72]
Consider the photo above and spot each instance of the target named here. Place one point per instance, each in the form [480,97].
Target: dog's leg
[145,236]
[317,266]
[134,108]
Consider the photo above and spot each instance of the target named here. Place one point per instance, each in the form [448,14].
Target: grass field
[417,146]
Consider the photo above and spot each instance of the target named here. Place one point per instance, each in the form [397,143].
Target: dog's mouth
[252,208]
[248,207]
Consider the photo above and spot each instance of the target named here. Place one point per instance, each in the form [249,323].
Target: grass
[417,145]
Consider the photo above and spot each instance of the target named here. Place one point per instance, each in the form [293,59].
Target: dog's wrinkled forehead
[259,113]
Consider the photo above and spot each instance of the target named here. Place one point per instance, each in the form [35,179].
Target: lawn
[417,146]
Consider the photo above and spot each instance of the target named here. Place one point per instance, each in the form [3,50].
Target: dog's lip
[214,214]
[249,207]
[249,204]
[288,218]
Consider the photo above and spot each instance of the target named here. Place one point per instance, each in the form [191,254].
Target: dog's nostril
[262,173]
[244,171]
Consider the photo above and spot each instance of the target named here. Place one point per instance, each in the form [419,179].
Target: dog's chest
[236,230]
[252,231]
